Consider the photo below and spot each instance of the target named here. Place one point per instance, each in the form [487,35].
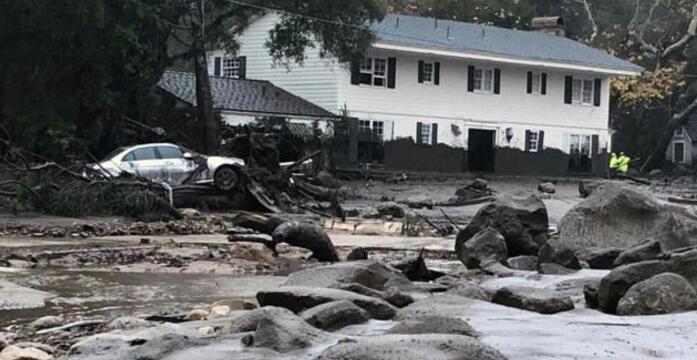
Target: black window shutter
[421,71]
[355,73]
[529,82]
[527,140]
[543,87]
[497,81]
[596,92]
[243,67]
[436,73]
[568,91]
[470,78]
[391,72]
[541,141]
[217,61]
[434,134]
[595,145]
[418,132]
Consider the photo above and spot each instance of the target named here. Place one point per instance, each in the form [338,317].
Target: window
[170,152]
[426,133]
[428,73]
[678,131]
[483,80]
[533,141]
[536,83]
[679,152]
[374,72]
[379,128]
[582,91]
[147,153]
[580,144]
[231,67]
[363,125]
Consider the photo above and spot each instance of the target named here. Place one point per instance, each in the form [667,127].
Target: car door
[143,162]
[175,168]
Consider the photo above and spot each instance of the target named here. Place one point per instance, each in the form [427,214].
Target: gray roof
[691,128]
[490,40]
[242,95]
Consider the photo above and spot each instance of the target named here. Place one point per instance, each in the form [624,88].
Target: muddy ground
[80,276]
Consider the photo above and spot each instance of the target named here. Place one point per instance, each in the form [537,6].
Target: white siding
[316,80]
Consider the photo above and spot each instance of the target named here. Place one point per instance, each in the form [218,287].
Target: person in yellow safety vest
[623,163]
[614,162]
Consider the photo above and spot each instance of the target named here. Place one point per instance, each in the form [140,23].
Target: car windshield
[114,153]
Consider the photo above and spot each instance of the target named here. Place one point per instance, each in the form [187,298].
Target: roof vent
[553,25]
[397,26]
[436,23]
[448,34]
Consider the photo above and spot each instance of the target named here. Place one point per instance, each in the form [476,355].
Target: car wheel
[226,178]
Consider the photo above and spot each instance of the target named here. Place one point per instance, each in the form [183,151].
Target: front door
[481,155]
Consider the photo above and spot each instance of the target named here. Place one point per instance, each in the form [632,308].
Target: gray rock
[360,289]
[598,258]
[650,250]
[522,220]
[296,299]
[523,262]
[247,321]
[129,323]
[619,215]
[554,269]
[586,188]
[47,322]
[13,352]
[547,188]
[661,294]
[369,273]
[391,209]
[469,290]
[444,305]
[554,251]
[397,298]
[614,285]
[334,315]
[484,248]
[590,295]
[537,300]
[308,236]
[287,333]
[409,347]
[433,325]
[357,254]
[328,180]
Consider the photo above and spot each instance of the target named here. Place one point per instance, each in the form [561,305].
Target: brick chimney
[553,25]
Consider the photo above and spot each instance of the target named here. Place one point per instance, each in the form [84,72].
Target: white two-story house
[467,86]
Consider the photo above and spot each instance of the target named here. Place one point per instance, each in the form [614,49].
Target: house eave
[459,54]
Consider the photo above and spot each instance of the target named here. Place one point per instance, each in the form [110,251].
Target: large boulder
[556,252]
[287,333]
[598,258]
[369,273]
[335,315]
[445,305]
[433,325]
[28,353]
[614,285]
[521,219]
[618,215]
[308,236]
[410,347]
[484,248]
[537,300]
[650,250]
[469,290]
[296,299]
[523,262]
[661,294]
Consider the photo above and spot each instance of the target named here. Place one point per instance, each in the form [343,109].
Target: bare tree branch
[689,35]
[591,18]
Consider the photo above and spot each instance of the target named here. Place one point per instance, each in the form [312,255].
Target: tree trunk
[658,153]
[204,104]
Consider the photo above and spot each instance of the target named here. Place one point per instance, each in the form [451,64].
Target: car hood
[217,161]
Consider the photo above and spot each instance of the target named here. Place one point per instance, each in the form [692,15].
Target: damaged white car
[173,165]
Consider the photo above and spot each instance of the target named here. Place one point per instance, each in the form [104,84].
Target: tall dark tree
[337,28]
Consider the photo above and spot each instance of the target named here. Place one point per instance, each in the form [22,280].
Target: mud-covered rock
[485,247]
[433,325]
[522,220]
[390,208]
[598,258]
[650,250]
[661,294]
[412,347]
[296,299]
[357,254]
[308,236]
[397,298]
[16,353]
[614,285]
[287,333]
[537,300]
[48,322]
[619,215]
[556,252]
[369,273]
[469,290]
[547,188]
[335,315]
[523,262]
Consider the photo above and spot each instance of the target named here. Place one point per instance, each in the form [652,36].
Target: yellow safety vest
[624,163]
[614,162]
